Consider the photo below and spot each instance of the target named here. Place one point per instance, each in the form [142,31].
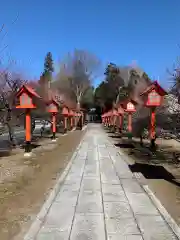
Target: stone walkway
[101,199]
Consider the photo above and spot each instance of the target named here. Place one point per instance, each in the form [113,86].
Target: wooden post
[120,122]
[65,124]
[75,120]
[71,122]
[54,126]
[114,120]
[129,122]
[153,128]
[82,119]
[28,132]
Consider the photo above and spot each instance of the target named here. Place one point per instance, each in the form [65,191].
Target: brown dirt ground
[29,181]
[165,189]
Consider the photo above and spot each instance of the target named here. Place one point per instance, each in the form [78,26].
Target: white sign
[130,106]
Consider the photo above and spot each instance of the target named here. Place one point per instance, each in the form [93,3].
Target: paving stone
[124,237]
[93,155]
[101,144]
[107,166]
[123,226]
[124,173]
[89,206]
[91,170]
[154,227]
[117,210]
[67,192]
[72,175]
[71,178]
[113,193]
[78,162]
[103,152]
[82,154]
[89,202]
[52,234]
[88,227]
[106,159]
[96,194]
[141,204]
[109,179]
[76,168]
[60,216]
[92,183]
[73,181]
[132,186]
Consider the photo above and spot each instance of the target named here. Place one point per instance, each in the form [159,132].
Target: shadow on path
[124,145]
[117,136]
[153,172]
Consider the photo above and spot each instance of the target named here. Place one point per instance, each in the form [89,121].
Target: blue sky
[116,31]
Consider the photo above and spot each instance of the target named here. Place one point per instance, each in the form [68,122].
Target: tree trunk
[12,138]
[78,105]
[141,140]
[10,127]
[153,144]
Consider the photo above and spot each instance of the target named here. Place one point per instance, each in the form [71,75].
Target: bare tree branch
[77,73]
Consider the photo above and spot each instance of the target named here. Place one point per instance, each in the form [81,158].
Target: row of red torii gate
[28,100]
[152,97]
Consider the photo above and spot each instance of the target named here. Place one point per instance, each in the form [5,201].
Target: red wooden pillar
[28,131]
[129,122]
[54,125]
[153,128]
[72,122]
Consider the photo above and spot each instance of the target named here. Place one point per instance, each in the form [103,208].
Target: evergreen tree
[48,66]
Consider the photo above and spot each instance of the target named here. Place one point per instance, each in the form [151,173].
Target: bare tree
[9,84]
[77,73]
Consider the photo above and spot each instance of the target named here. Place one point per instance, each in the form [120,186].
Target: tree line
[73,83]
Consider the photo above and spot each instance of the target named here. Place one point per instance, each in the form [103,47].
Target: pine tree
[48,66]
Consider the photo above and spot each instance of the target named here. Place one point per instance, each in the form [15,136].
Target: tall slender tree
[48,66]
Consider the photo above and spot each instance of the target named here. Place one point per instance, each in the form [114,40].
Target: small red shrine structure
[129,107]
[27,99]
[153,97]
